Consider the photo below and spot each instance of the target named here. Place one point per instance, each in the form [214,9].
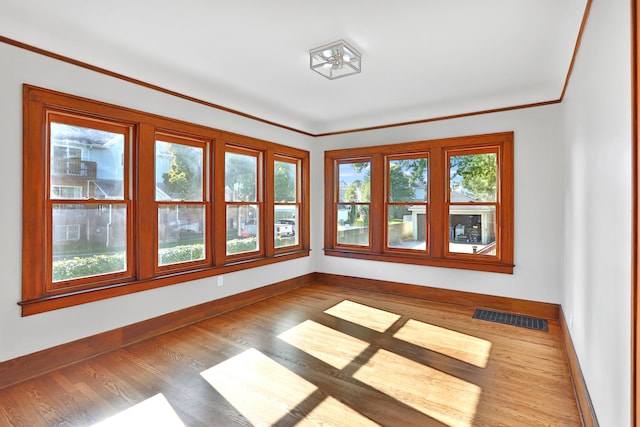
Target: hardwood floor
[319,355]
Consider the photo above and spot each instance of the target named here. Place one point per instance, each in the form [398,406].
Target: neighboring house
[87,166]
[467,223]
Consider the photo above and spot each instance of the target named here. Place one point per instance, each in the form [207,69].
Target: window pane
[408,180]
[243,228]
[472,229]
[181,231]
[89,159]
[285,182]
[285,227]
[88,240]
[66,192]
[472,178]
[406,228]
[353,224]
[355,182]
[66,232]
[178,172]
[240,177]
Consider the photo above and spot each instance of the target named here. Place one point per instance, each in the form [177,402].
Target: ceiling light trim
[335,60]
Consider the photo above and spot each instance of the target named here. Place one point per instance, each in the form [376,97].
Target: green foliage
[397,212]
[360,166]
[475,176]
[182,253]
[73,268]
[284,241]
[351,218]
[246,244]
[358,215]
[417,169]
[67,269]
[183,180]
[240,176]
[285,182]
[358,191]
[401,190]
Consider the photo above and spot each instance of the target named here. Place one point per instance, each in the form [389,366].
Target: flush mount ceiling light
[334,60]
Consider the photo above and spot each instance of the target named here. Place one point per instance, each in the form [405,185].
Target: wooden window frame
[298,197]
[449,203]
[119,126]
[206,203]
[388,203]
[37,293]
[437,253]
[258,202]
[336,202]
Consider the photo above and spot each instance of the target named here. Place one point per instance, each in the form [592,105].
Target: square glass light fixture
[334,60]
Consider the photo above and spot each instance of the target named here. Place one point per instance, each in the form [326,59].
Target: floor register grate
[512,319]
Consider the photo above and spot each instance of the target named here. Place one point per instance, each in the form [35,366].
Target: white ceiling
[422,59]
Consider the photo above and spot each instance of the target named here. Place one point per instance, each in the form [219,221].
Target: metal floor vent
[512,319]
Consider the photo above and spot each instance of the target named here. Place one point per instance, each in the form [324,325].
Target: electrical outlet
[220,280]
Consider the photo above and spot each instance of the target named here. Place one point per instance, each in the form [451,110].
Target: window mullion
[219,206]
[268,203]
[146,240]
[330,199]
[438,180]
[376,208]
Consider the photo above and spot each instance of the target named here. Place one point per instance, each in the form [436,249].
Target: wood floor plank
[318,355]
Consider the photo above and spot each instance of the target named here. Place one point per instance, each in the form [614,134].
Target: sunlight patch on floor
[262,390]
[441,396]
[331,346]
[332,412]
[451,343]
[363,315]
[154,411]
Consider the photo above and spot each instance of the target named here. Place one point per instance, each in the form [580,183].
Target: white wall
[538,206]
[572,208]
[598,203]
[18,335]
